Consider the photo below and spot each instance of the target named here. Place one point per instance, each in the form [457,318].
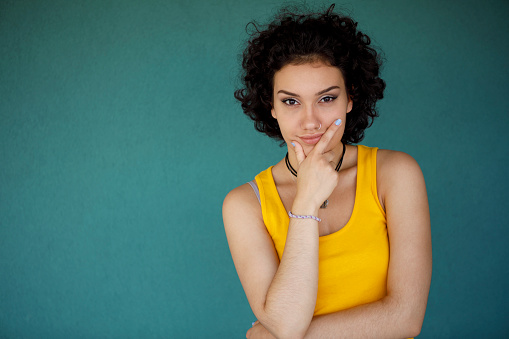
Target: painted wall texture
[120,137]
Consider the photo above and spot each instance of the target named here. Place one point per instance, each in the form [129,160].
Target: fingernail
[252,324]
[338,122]
[293,144]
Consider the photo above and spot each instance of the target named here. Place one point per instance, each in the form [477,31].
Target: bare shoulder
[389,161]
[395,165]
[239,203]
[397,172]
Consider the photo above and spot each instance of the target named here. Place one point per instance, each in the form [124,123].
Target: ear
[350,105]
[273,112]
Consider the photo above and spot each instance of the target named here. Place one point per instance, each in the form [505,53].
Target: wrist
[298,216]
[302,207]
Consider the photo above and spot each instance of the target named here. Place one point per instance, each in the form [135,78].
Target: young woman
[334,240]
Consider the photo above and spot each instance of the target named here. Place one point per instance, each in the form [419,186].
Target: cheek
[330,114]
[286,131]
[289,129]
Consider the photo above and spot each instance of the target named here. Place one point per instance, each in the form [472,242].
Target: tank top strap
[254,186]
[366,174]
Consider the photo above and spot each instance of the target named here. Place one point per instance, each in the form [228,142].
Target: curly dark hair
[299,38]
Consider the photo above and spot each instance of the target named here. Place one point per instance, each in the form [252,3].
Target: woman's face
[307,99]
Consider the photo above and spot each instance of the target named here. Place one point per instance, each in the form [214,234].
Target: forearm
[291,297]
[386,318]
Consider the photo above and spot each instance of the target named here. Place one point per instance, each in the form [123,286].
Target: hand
[258,331]
[317,176]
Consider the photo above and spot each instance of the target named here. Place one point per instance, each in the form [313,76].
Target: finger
[327,136]
[299,152]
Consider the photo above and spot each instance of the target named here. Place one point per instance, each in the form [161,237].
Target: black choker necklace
[294,172]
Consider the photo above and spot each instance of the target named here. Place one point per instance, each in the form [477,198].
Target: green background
[120,137]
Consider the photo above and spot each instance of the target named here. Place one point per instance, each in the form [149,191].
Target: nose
[309,119]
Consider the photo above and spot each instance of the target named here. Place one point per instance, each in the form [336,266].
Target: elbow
[413,329]
[406,328]
[409,317]
[412,323]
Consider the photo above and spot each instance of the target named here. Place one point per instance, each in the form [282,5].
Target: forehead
[308,77]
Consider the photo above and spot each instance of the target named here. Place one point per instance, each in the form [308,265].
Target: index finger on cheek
[327,136]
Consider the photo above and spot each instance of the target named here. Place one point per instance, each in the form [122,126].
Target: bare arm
[281,295]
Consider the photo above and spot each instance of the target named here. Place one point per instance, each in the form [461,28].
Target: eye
[290,102]
[328,98]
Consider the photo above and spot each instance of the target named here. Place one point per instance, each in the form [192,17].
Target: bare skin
[282,294]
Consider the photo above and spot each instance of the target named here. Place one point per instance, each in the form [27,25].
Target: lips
[311,139]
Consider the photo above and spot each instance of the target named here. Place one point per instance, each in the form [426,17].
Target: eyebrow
[319,93]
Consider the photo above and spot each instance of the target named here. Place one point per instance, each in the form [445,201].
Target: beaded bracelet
[303,216]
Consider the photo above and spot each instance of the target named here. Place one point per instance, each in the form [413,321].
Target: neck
[292,157]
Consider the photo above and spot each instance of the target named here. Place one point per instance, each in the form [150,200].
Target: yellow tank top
[353,261]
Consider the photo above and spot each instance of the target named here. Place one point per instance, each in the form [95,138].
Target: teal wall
[120,137]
